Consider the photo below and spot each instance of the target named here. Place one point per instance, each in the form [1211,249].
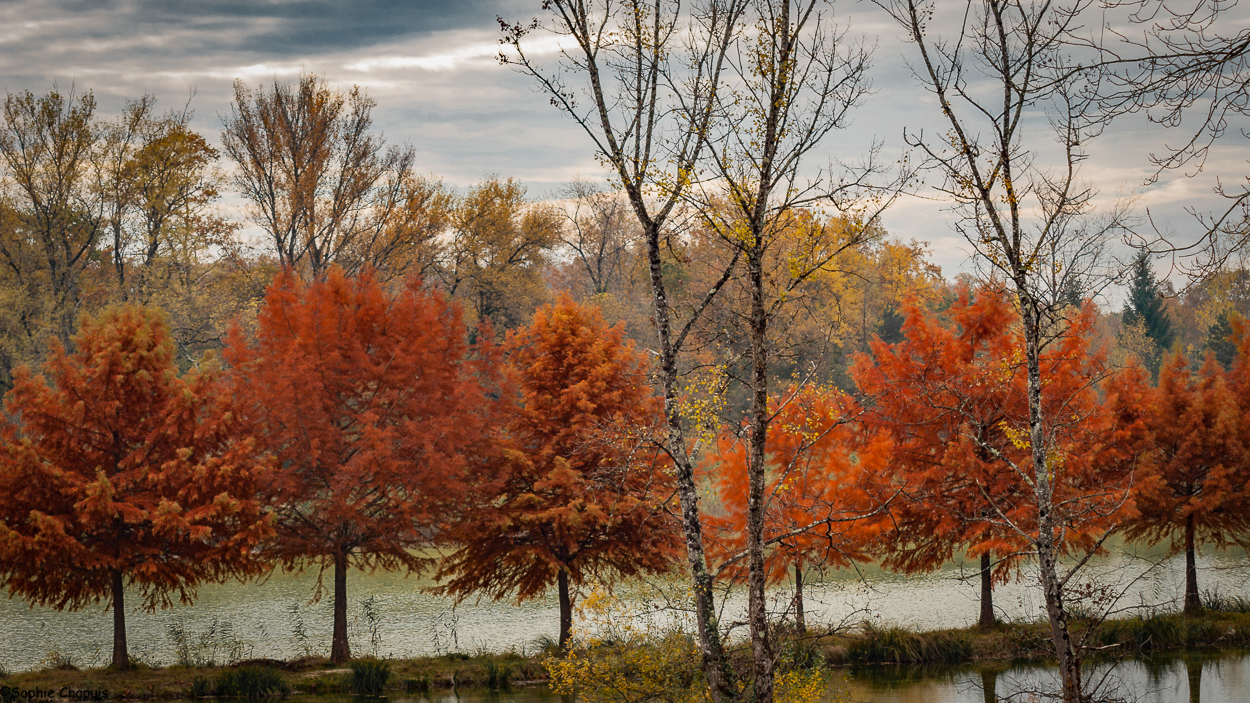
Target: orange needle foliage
[1192,485]
[578,491]
[122,472]
[373,408]
[953,394]
[821,489]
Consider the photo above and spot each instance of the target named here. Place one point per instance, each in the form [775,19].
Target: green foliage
[421,683]
[1158,631]
[200,687]
[1217,602]
[369,676]
[498,676]
[1144,307]
[896,645]
[251,682]
[1153,631]
[1220,340]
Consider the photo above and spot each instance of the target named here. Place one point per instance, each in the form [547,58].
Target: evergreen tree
[1220,340]
[1145,307]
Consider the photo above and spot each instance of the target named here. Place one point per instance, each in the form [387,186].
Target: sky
[431,66]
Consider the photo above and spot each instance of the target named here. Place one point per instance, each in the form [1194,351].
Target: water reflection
[1193,677]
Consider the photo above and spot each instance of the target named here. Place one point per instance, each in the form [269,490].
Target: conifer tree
[1220,341]
[373,405]
[1144,307]
[567,499]
[116,472]
[1191,489]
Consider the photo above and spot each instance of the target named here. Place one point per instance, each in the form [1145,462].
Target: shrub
[497,676]
[251,682]
[421,683]
[623,655]
[369,676]
[895,645]
[200,687]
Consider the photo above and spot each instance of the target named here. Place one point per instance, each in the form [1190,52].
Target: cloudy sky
[431,67]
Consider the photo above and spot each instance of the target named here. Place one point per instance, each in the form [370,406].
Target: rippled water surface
[274,618]
[1209,678]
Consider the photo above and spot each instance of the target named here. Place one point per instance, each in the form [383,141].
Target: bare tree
[496,259]
[56,220]
[323,186]
[157,182]
[1185,64]
[791,80]
[599,233]
[649,72]
[1025,211]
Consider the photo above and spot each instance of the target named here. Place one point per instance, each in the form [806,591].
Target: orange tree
[372,405]
[1191,488]
[953,395]
[821,502]
[116,471]
[578,490]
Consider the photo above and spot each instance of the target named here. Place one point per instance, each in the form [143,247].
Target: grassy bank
[270,677]
[1144,634]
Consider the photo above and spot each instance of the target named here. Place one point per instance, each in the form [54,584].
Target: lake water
[390,614]
[1193,678]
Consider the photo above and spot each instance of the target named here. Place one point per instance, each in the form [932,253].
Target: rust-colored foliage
[1191,487]
[953,394]
[578,489]
[822,500]
[373,407]
[120,472]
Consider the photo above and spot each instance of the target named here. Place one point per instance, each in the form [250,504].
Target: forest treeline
[133,209]
[360,364]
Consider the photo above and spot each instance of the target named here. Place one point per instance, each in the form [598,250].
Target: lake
[392,616]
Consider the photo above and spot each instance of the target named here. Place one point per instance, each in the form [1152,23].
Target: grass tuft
[369,676]
[251,682]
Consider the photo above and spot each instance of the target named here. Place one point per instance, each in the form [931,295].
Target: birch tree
[1009,158]
[648,73]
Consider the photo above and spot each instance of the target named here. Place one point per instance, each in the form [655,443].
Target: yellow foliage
[807,686]
[619,654]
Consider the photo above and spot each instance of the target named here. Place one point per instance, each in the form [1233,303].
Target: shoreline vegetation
[1225,627]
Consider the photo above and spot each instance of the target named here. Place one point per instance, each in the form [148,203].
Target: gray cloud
[431,67]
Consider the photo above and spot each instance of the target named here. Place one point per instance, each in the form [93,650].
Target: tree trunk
[566,608]
[800,622]
[987,592]
[1193,604]
[1043,494]
[340,650]
[715,666]
[121,657]
[757,572]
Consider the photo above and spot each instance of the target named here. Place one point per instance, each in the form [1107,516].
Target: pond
[392,616]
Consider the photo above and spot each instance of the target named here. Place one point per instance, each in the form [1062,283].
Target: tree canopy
[117,471]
